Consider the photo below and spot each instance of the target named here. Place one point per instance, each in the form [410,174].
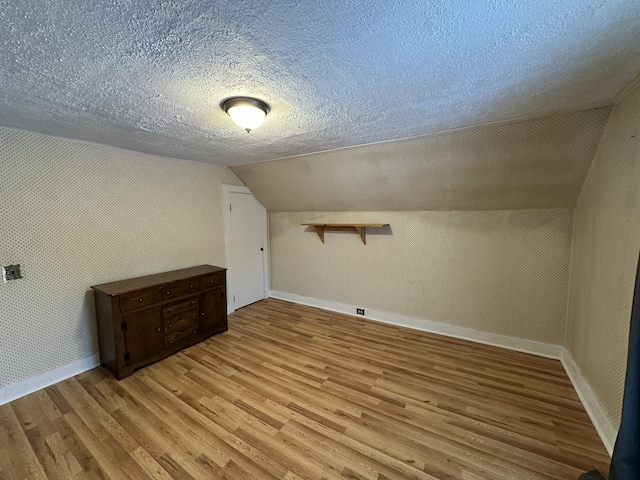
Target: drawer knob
[190,286]
[170,325]
[210,281]
[168,292]
[139,299]
[202,314]
[170,341]
[158,329]
[193,302]
[194,332]
[168,309]
[193,317]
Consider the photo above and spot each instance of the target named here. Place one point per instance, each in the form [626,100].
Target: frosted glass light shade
[247,113]
[247,116]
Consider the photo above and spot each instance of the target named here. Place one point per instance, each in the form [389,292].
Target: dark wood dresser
[142,320]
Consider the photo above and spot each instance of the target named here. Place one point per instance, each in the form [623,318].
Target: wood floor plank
[292,392]
[21,460]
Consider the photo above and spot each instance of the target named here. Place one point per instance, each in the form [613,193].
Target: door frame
[227,190]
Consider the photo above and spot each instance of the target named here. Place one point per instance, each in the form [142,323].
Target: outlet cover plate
[11,272]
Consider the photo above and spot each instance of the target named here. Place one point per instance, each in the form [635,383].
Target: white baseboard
[13,391]
[596,413]
[511,343]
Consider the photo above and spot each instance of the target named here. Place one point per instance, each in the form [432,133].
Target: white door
[246,248]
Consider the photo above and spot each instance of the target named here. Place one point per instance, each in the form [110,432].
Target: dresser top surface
[132,284]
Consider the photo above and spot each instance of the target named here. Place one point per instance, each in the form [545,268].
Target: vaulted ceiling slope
[150,75]
[532,164]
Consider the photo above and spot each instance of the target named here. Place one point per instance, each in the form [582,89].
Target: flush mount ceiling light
[246,112]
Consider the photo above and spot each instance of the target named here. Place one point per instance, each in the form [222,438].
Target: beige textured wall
[504,272]
[531,164]
[605,256]
[75,214]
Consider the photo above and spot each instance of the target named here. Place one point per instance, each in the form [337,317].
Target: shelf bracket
[363,233]
[320,231]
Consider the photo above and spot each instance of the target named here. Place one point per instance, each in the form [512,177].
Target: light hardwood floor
[294,392]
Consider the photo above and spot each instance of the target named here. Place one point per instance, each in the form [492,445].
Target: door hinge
[229,207]
[234,299]
[126,357]
[123,325]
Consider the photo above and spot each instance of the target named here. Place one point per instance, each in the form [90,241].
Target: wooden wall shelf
[359,228]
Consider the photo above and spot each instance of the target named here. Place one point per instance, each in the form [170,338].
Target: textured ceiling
[150,75]
[531,164]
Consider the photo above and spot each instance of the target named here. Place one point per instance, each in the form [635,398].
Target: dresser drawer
[211,281]
[184,321]
[190,303]
[139,299]
[179,289]
[183,336]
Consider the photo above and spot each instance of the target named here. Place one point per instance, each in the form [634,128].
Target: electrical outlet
[360,311]
[11,272]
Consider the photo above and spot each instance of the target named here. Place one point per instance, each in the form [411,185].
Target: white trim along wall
[29,385]
[596,413]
